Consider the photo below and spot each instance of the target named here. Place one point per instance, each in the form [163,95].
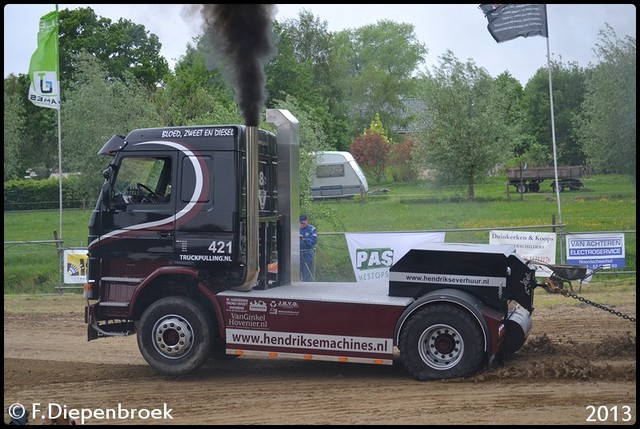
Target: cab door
[138,229]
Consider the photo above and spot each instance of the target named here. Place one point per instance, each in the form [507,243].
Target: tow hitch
[560,282]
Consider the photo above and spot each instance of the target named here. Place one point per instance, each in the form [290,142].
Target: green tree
[467,137]
[607,123]
[96,109]
[537,155]
[305,68]
[382,60]
[298,69]
[13,128]
[196,94]
[510,100]
[122,46]
[38,131]
[568,83]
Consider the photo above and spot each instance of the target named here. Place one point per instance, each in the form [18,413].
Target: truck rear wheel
[174,335]
[441,341]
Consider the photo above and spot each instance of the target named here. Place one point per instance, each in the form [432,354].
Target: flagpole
[509,21]
[59,125]
[44,90]
[57,45]
[553,136]
[553,141]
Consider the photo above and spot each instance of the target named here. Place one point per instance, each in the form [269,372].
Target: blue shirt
[309,237]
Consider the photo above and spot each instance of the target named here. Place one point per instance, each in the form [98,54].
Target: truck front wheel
[441,341]
[174,335]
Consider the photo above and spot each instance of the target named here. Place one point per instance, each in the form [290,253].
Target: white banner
[75,266]
[533,246]
[596,250]
[373,253]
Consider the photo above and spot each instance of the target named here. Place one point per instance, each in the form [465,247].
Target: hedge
[30,194]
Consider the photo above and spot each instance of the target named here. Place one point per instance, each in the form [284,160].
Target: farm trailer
[529,179]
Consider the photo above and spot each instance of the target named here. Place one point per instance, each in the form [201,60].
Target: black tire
[521,188]
[534,187]
[174,335]
[575,185]
[440,342]
[560,187]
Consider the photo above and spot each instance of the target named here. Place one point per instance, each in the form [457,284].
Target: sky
[460,28]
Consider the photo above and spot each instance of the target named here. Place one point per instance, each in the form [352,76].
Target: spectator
[308,241]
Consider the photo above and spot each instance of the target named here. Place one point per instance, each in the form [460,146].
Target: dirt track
[577,358]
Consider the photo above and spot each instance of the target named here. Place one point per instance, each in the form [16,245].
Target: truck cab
[174,204]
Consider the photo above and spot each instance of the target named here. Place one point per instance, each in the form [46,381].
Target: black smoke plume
[242,36]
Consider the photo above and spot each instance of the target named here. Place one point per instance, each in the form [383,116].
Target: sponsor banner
[448,279]
[308,341]
[532,246]
[373,253]
[75,266]
[596,250]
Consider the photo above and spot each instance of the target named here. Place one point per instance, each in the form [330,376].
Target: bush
[30,194]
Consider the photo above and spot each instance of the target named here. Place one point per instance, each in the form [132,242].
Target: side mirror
[106,194]
[108,172]
[106,187]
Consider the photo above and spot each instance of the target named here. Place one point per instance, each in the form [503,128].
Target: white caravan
[338,175]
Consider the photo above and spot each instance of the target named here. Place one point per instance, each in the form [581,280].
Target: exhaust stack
[252,214]
[241,38]
[289,190]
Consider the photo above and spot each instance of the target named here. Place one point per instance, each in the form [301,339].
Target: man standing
[308,241]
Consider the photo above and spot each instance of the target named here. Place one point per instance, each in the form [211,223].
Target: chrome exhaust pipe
[289,190]
[518,327]
[252,221]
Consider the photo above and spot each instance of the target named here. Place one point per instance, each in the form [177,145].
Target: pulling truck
[194,248]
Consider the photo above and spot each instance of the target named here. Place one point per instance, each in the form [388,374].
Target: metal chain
[567,293]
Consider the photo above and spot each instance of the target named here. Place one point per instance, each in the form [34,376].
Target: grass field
[609,205]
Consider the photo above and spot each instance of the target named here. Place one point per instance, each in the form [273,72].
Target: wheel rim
[441,347]
[172,336]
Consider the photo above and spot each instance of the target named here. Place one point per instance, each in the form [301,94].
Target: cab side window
[142,180]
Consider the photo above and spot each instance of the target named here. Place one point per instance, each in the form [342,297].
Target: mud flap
[92,334]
